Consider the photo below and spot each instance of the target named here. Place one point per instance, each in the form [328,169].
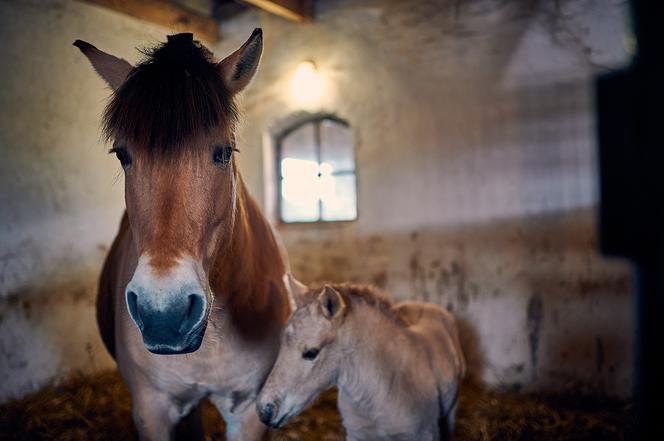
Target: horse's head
[309,356]
[171,119]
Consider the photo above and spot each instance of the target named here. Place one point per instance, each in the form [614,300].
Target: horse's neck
[366,377]
[247,272]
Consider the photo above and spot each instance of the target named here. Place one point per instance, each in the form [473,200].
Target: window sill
[315,224]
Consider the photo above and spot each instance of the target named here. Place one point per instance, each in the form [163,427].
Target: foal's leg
[155,413]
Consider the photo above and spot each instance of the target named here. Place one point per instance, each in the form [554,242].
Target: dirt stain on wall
[534,316]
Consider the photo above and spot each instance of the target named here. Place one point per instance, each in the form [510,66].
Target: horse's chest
[214,369]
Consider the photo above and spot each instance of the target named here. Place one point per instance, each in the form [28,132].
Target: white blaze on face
[181,278]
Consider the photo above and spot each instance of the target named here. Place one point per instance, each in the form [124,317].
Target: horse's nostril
[192,304]
[194,312]
[196,306]
[132,305]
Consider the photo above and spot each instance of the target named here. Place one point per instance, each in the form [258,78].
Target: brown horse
[191,296]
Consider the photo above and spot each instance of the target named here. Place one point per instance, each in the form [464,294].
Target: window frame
[316,121]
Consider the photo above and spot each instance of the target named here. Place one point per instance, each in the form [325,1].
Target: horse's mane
[176,92]
[368,295]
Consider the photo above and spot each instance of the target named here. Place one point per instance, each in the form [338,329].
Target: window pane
[336,146]
[314,188]
[299,171]
[299,198]
[338,196]
[299,144]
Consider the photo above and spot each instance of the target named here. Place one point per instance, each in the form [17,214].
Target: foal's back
[436,328]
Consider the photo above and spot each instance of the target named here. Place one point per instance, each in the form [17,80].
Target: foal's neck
[380,351]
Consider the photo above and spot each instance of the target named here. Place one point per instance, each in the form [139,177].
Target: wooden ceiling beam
[294,10]
[166,14]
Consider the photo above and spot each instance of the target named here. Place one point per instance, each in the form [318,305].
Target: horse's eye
[222,154]
[310,354]
[123,156]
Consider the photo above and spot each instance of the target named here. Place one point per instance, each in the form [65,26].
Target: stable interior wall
[473,130]
[61,194]
[473,133]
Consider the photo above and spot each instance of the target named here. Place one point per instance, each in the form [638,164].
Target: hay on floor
[98,407]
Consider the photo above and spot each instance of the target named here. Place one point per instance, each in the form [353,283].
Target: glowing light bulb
[306,84]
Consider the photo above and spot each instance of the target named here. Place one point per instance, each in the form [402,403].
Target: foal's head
[171,119]
[309,356]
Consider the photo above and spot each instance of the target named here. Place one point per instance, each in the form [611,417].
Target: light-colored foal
[397,367]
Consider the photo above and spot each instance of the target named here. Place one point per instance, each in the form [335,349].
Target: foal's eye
[222,154]
[123,156]
[310,354]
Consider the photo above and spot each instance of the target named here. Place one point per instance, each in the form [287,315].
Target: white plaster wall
[473,131]
[61,195]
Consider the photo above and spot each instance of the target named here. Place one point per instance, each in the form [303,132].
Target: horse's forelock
[174,95]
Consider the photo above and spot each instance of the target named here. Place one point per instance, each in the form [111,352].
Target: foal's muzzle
[170,312]
[268,413]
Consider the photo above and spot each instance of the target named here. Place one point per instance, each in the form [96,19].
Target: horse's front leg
[242,423]
[155,413]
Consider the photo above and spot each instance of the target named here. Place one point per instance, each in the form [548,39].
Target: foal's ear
[239,67]
[112,69]
[331,303]
[296,290]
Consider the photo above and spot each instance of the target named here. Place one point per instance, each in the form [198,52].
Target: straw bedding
[97,407]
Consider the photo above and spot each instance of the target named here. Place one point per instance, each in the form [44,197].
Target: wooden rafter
[294,10]
[166,14]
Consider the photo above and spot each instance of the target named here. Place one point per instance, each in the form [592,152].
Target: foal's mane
[368,295]
[175,93]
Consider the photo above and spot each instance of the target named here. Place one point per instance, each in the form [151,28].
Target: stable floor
[97,407]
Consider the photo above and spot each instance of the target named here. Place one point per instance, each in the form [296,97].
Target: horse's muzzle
[170,313]
[177,329]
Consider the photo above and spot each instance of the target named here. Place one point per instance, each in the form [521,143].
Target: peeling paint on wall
[534,319]
[532,308]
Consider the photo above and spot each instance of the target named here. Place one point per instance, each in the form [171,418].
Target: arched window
[316,172]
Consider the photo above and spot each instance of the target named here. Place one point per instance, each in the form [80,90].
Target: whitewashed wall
[473,130]
[61,195]
[474,134]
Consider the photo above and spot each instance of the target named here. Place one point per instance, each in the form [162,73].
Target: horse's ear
[296,290]
[331,303]
[239,67]
[112,69]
